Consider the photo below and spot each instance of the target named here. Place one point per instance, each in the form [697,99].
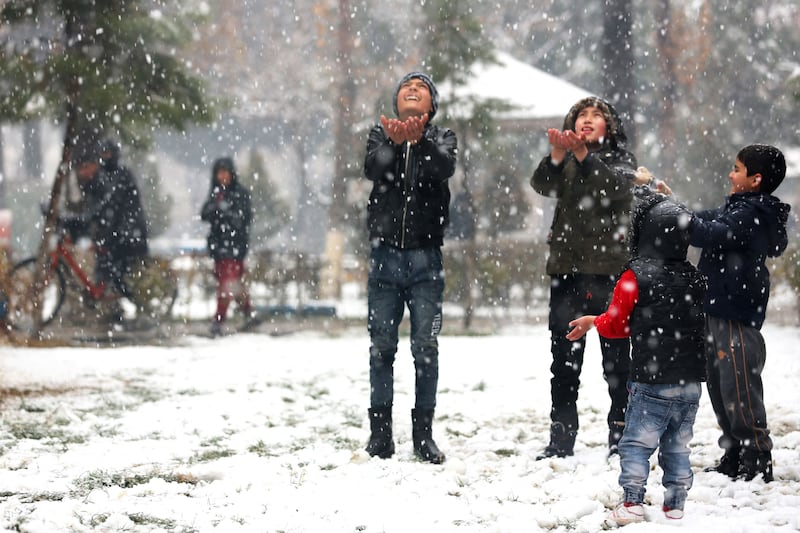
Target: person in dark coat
[590,173]
[658,303]
[228,211]
[409,162]
[736,239]
[114,211]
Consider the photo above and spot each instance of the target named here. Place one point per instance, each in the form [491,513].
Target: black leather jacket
[410,199]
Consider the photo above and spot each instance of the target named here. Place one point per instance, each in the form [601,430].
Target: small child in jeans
[657,302]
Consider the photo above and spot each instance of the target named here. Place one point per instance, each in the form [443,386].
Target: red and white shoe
[626,513]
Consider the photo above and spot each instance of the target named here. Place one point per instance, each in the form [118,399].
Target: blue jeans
[399,278]
[658,416]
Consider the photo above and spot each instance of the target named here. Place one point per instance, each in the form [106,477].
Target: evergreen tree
[115,63]
[157,204]
[504,204]
[270,211]
[102,67]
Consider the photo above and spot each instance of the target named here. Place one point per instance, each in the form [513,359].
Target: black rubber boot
[728,463]
[753,463]
[614,436]
[380,438]
[561,444]
[422,435]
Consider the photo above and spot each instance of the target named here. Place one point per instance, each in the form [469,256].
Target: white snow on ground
[260,433]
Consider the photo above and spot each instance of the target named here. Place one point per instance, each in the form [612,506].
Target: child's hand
[580,326]
[645,177]
[395,129]
[415,126]
[663,188]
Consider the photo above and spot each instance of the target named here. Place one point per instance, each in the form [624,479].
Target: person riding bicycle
[113,214]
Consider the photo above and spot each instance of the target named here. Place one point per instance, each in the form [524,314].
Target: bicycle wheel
[22,307]
[153,287]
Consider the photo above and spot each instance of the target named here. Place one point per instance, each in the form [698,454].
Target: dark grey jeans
[735,356]
[400,278]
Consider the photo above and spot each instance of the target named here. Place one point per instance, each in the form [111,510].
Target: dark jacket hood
[660,227]
[775,214]
[616,139]
[111,162]
[225,163]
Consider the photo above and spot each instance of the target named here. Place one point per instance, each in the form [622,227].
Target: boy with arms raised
[736,239]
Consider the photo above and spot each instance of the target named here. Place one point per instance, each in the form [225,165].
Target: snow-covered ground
[259,433]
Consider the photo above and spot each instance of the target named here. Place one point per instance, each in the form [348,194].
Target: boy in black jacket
[409,162]
[736,239]
[657,302]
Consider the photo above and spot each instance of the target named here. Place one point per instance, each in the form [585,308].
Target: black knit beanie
[431,87]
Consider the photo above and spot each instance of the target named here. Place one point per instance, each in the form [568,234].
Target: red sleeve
[613,324]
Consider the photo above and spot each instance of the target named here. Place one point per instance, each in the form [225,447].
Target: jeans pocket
[649,412]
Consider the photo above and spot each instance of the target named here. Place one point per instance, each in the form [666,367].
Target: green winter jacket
[591,217]
[594,200]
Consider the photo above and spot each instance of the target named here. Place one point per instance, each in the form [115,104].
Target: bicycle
[152,287]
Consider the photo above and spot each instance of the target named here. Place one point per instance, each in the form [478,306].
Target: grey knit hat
[431,87]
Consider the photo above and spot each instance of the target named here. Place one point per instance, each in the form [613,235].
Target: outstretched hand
[580,326]
[400,131]
[645,177]
[566,141]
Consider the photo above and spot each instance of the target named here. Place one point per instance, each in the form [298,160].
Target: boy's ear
[757,178]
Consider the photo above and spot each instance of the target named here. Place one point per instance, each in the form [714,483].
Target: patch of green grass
[354,417]
[35,430]
[480,387]
[101,479]
[505,452]
[211,455]
[145,519]
[345,443]
[260,449]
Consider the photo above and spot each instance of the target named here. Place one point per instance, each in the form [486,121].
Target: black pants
[735,357]
[115,265]
[571,296]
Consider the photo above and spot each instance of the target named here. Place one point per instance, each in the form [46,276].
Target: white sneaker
[626,513]
[673,514]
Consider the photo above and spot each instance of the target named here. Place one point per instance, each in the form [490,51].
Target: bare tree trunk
[3,177]
[71,30]
[336,241]
[667,54]
[619,62]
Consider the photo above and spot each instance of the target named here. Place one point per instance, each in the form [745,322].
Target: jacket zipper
[405,197]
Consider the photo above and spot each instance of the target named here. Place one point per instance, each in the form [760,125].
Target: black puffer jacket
[127,224]
[410,199]
[587,235]
[229,212]
[736,240]
[115,212]
[667,323]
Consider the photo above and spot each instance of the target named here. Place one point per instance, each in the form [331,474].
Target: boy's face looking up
[591,124]
[413,99]
[741,182]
